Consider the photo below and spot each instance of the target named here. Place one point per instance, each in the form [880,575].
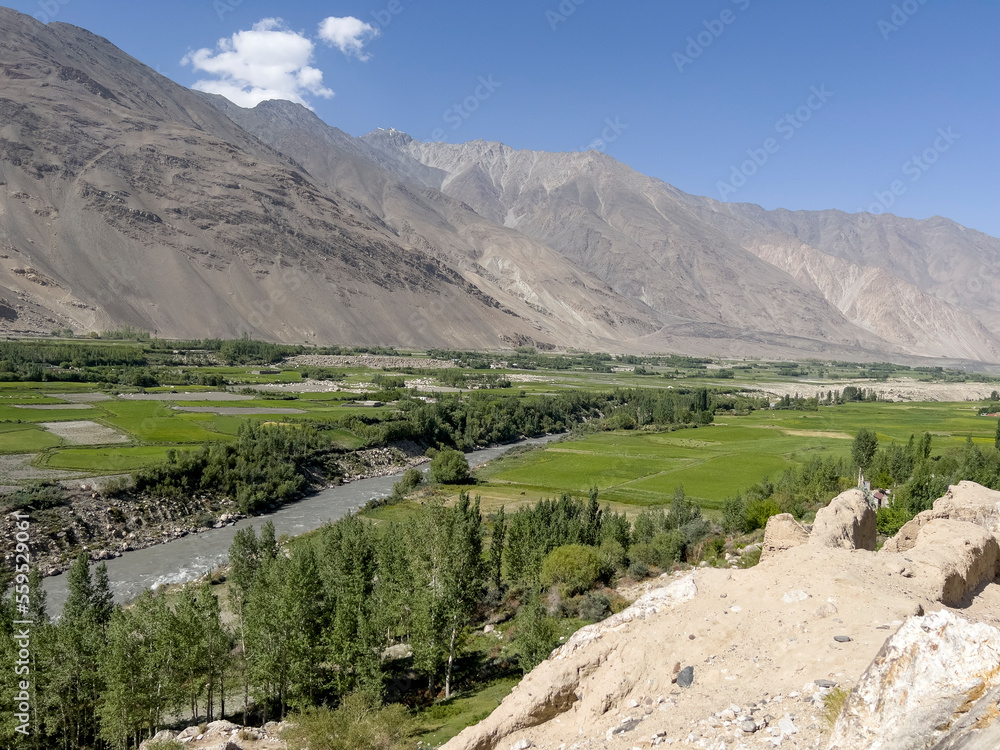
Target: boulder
[950,560]
[782,532]
[935,684]
[221,727]
[848,522]
[965,501]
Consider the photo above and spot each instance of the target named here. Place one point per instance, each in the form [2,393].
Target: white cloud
[267,62]
[348,34]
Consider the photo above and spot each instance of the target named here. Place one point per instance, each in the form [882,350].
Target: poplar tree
[73,684]
[497,543]
[142,671]
[356,634]
[463,578]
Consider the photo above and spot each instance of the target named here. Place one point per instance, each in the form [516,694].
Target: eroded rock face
[782,532]
[952,559]
[552,687]
[935,684]
[965,501]
[848,522]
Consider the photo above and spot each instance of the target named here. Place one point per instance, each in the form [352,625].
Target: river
[194,555]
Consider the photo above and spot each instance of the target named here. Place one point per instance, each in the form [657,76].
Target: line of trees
[313,622]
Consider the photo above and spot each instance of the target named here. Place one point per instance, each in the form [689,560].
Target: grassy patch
[23,438]
[108,459]
[833,703]
[442,721]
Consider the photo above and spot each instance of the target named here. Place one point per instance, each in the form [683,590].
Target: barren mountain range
[128,199]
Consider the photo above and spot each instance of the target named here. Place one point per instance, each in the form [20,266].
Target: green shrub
[574,568]
[669,547]
[165,745]
[535,634]
[638,570]
[715,547]
[734,516]
[645,554]
[594,606]
[613,554]
[890,520]
[758,511]
[37,497]
[412,479]
[359,721]
[449,466]
[750,559]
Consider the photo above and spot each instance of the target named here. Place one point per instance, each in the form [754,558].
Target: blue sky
[856,105]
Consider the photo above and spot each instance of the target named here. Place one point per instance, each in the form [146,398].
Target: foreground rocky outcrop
[935,684]
[745,658]
[221,735]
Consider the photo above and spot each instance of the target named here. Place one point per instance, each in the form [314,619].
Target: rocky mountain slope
[130,200]
[744,658]
[914,286]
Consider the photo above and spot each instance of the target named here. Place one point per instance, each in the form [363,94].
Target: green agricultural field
[23,438]
[104,459]
[156,422]
[716,462]
[14,414]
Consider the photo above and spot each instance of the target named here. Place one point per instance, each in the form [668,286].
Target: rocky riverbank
[107,526]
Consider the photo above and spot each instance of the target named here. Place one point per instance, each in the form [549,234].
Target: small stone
[826,609]
[824,683]
[686,677]
[749,726]
[522,744]
[842,638]
[786,725]
[795,595]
